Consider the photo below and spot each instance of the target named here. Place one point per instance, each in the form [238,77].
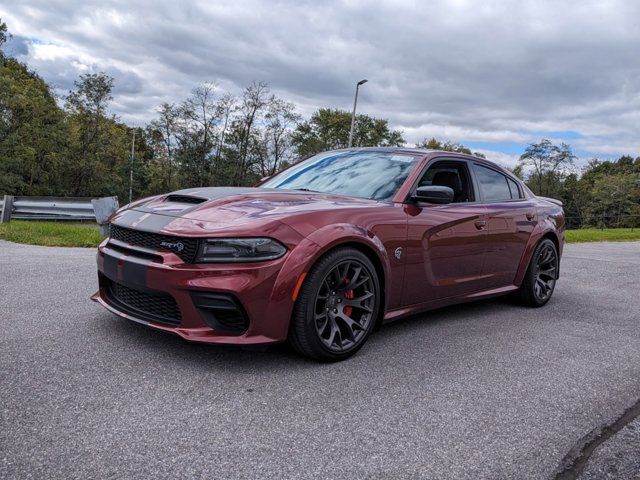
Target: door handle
[480,224]
[530,216]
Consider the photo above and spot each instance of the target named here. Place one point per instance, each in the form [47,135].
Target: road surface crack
[574,462]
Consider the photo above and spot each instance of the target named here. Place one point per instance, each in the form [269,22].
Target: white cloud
[496,71]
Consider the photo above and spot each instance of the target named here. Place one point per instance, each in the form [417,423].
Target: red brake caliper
[348,294]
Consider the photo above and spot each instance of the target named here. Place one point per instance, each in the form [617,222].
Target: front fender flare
[302,258]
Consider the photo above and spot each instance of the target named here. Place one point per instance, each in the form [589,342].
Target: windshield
[368,174]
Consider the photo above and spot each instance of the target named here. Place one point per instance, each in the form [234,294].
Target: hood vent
[184,199]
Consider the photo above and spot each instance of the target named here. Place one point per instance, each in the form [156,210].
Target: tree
[98,143]
[518,171]
[200,109]
[32,132]
[280,120]
[4,35]
[328,129]
[575,199]
[447,146]
[90,98]
[254,98]
[161,133]
[549,163]
[224,109]
[614,199]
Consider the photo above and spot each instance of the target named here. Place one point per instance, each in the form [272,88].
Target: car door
[511,219]
[445,243]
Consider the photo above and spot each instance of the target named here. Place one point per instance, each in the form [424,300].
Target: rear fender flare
[542,229]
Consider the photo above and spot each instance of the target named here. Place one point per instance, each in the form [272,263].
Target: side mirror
[438,194]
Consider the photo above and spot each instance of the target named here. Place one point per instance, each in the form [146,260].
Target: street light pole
[353,115]
[133,146]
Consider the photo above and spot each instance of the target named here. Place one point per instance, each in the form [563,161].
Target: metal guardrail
[58,208]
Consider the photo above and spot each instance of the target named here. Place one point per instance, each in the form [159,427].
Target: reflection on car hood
[237,205]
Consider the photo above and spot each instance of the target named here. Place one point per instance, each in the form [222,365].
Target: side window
[513,186]
[452,174]
[493,185]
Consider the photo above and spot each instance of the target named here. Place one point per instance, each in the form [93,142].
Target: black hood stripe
[147,222]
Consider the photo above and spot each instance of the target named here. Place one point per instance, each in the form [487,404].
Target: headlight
[222,250]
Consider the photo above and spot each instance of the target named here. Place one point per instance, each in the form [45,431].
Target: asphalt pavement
[485,390]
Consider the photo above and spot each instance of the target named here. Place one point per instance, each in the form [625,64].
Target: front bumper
[251,287]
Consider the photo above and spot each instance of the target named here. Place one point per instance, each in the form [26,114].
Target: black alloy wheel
[344,305]
[540,279]
[337,306]
[546,272]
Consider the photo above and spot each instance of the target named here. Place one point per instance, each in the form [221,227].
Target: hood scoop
[185,199]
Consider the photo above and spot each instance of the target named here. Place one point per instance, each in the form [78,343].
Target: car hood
[234,206]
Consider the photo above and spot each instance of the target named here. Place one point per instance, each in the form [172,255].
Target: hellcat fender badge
[398,253]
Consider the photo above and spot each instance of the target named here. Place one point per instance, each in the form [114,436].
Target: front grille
[154,241]
[155,306]
[184,199]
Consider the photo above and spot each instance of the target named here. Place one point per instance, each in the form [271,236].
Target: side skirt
[402,312]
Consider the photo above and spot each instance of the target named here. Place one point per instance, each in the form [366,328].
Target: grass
[606,235]
[61,234]
[51,234]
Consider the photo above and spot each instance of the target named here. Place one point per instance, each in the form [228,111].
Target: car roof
[426,152]
[435,153]
[429,154]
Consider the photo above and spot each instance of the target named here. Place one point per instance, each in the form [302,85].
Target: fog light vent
[222,312]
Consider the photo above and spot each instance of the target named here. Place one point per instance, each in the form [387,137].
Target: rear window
[494,186]
[513,186]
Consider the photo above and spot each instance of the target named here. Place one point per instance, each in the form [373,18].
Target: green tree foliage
[615,200]
[212,139]
[98,143]
[447,146]
[328,129]
[162,140]
[32,133]
[606,194]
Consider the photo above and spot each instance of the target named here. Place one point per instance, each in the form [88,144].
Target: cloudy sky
[494,75]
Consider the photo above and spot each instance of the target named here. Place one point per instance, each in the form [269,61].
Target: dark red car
[323,252]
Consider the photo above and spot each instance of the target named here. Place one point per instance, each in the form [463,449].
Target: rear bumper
[251,289]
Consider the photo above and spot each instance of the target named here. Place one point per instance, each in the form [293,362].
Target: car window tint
[493,185]
[513,186]
[450,174]
[427,179]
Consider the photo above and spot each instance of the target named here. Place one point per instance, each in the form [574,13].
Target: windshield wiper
[306,190]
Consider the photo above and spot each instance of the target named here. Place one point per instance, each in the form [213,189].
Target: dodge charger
[322,253]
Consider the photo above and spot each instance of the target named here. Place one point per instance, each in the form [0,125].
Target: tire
[337,306]
[540,280]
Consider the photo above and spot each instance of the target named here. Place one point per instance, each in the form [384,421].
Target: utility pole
[133,146]
[353,115]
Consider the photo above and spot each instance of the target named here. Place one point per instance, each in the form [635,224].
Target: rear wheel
[337,306]
[540,279]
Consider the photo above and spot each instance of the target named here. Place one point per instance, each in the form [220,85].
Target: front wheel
[337,306]
[540,279]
